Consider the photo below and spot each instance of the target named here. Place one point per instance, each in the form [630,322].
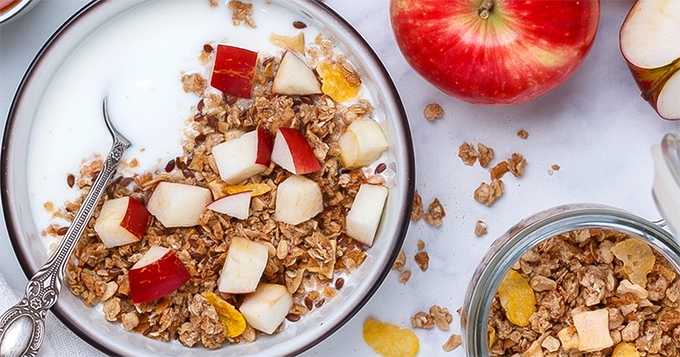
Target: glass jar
[521,238]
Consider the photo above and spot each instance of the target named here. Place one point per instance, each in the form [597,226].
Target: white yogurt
[137,61]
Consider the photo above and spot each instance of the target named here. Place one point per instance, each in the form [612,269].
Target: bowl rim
[400,124]
[16,10]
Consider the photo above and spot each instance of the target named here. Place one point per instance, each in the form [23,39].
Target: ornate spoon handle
[22,327]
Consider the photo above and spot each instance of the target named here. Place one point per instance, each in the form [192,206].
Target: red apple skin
[157,279]
[303,156]
[533,48]
[265,144]
[136,218]
[234,70]
[652,80]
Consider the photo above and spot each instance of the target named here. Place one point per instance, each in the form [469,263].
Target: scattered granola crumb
[435,213]
[467,153]
[485,154]
[422,320]
[480,228]
[213,3]
[516,164]
[522,134]
[423,260]
[405,276]
[555,167]
[499,170]
[242,12]
[433,111]
[417,211]
[421,244]
[452,343]
[442,317]
[489,193]
[399,263]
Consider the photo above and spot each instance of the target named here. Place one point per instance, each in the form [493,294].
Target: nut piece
[593,330]
[452,343]
[480,228]
[433,111]
[423,260]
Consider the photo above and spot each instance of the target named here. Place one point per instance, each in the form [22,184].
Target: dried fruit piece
[625,349]
[637,257]
[257,188]
[295,43]
[517,298]
[233,320]
[339,83]
[390,340]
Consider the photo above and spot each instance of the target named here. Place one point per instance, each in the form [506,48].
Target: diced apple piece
[593,330]
[297,200]
[158,272]
[234,70]
[293,152]
[121,221]
[236,205]
[363,218]
[178,205]
[266,308]
[240,158]
[294,77]
[243,267]
[362,143]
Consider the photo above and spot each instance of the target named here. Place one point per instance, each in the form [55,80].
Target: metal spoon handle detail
[22,327]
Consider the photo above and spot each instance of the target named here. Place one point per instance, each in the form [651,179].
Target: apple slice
[240,158]
[236,205]
[294,77]
[234,70]
[157,273]
[645,40]
[243,267]
[178,205]
[363,218]
[297,200]
[121,221]
[266,308]
[293,152]
[362,143]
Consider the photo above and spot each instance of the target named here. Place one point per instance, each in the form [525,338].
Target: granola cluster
[311,259]
[590,298]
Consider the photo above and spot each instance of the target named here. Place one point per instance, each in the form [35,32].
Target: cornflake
[390,340]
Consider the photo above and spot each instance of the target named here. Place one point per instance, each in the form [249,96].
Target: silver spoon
[22,327]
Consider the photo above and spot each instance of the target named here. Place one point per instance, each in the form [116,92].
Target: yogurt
[136,61]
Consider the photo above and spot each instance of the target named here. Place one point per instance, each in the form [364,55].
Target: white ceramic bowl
[16,9]
[25,236]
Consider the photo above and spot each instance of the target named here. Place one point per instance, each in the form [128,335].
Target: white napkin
[59,341]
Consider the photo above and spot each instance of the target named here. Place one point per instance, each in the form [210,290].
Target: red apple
[240,158]
[157,273]
[236,205]
[267,307]
[234,70]
[297,200]
[292,152]
[294,77]
[645,40]
[495,51]
[121,221]
[178,204]
[243,266]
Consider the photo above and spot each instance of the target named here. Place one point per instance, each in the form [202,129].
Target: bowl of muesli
[264,198]
[579,279]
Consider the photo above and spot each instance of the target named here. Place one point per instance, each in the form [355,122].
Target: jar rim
[518,240]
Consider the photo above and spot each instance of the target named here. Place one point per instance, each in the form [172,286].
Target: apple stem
[485,9]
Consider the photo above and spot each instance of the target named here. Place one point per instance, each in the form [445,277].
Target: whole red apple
[495,51]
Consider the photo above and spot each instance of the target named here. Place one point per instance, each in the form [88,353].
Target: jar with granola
[582,280]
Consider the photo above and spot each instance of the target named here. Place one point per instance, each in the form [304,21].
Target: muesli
[307,255]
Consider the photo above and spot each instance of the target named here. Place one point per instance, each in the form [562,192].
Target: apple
[495,51]
[266,308]
[293,152]
[240,158]
[156,274]
[243,266]
[645,41]
[362,143]
[363,218]
[294,77]
[121,221]
[236,205]
[234,70]
[297,200]
[177,204]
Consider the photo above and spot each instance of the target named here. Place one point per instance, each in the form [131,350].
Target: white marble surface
[595,127]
